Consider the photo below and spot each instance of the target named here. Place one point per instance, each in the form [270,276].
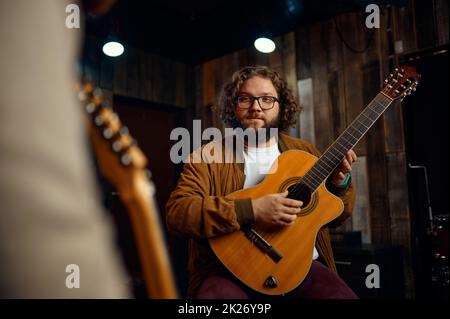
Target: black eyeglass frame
[257,99]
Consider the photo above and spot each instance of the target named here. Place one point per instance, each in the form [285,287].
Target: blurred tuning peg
[117,146]
[90,108]
[82,96]
[108,133]
[99,120]
[125,159]
[124,131]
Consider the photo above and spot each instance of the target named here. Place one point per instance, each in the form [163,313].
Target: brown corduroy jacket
[200,209]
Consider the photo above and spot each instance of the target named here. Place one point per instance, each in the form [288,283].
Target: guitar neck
[333,156]
[150,240]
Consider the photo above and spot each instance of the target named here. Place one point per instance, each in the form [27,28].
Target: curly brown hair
[288,105]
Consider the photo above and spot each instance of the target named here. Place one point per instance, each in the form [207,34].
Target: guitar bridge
[262,244]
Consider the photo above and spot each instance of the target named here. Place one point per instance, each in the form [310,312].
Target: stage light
[113,49]
[264,45]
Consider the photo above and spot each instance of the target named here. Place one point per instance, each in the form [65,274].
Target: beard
[263,134]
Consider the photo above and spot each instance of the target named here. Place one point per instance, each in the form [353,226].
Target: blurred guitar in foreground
[124,165]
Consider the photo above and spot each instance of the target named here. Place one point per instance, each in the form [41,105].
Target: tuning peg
[99,120]
[90,108]
[386,81]
[408,81]
[108,133]
[391,75]
[82,96]
[396,69]
[124,130]
[125,159]
[117,146]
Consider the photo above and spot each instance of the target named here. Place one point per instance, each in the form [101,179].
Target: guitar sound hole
[300,192]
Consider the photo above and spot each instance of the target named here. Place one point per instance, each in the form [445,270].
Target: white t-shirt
[258,161]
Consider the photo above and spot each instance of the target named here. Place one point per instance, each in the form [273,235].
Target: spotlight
[113,48]
[264,45]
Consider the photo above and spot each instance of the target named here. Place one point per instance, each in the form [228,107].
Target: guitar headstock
[119,158]
[402,82]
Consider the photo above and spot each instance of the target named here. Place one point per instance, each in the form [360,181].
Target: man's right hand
[275,210]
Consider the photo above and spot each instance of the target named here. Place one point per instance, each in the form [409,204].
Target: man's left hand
[340,174]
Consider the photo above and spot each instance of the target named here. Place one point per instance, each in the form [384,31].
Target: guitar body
[295,242]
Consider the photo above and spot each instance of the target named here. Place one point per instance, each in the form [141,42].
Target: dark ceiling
[197,31]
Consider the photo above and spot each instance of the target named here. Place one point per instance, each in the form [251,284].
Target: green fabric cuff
[244,211]
[345,182]
[341,189]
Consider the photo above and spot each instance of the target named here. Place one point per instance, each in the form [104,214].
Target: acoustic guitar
[275,261]
[124,165]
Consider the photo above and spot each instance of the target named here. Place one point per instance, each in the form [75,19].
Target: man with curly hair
[255,99]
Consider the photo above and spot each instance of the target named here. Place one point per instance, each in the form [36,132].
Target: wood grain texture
[306,118]
[361,213]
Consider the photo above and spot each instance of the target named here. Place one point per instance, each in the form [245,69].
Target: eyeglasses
[265,102]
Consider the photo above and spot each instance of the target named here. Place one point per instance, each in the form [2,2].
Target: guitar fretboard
[333,156]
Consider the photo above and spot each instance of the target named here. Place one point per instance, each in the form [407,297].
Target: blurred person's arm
[50,212]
